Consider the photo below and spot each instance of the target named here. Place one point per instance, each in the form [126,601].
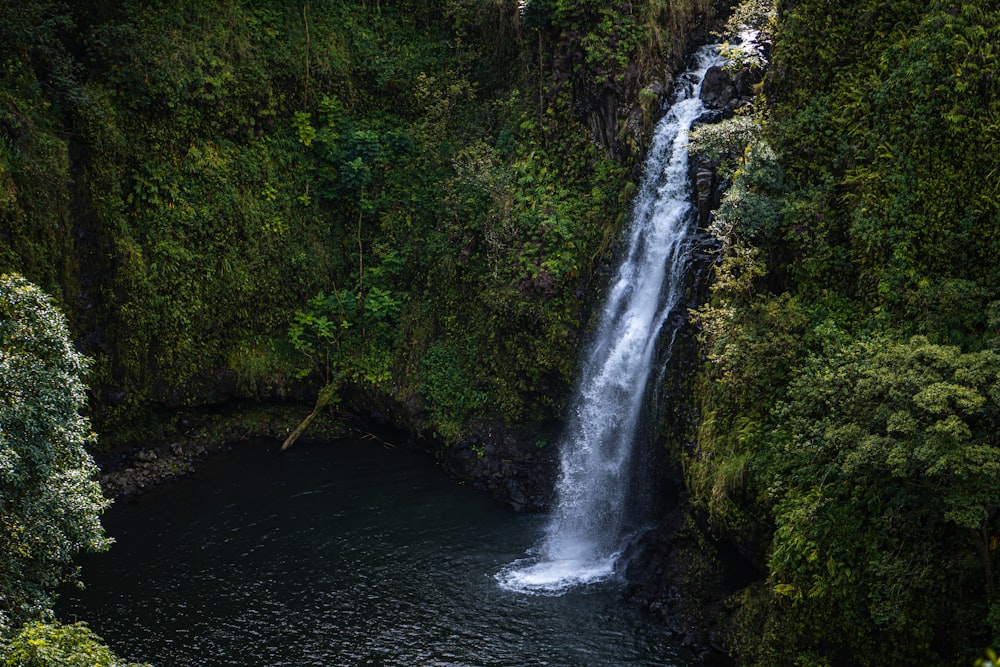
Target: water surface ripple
[340,554]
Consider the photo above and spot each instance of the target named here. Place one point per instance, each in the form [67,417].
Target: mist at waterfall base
[596,506]
[344,553]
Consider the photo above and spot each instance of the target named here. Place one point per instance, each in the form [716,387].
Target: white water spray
[585,533]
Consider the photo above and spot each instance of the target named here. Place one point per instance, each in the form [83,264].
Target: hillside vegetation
[404,201]
[850,398]
[409,207]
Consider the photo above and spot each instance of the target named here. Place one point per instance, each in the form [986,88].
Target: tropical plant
[882,474]
[40,644]
[50,503]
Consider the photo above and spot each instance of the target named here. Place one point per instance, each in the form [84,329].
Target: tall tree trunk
[983,542]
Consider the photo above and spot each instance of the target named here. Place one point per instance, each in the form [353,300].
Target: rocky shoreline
[135,472]
[131,469]
[494,459]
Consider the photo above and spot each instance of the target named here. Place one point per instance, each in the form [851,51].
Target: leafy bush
[882,472]
[55,645]
[751,212]
[447,388]
[50,503]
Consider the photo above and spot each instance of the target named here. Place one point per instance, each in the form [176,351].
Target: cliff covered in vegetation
[408,208]
[844,466]
[405,202]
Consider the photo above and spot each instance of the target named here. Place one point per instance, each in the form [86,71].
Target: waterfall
[588,528]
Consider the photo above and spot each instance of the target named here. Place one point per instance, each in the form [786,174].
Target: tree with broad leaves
[50,503]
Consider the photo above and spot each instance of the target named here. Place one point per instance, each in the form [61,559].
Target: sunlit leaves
[884,463]
[39,644]
[50,504]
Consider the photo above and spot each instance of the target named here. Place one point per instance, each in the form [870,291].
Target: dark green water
[340,554]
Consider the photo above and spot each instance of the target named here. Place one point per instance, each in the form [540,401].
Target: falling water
[586,532]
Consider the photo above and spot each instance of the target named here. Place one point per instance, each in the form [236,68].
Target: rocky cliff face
[510,464]
[723,93]
[620,100]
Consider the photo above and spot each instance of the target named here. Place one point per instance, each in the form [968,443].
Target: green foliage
[347,335]
[34,153]
[751,212]
[881,473]
[858,217]
[316,332]
[753,23]
[891,125]
[191,175]
[726,140]
[752,343]
[203,220]
[55,645]
[464,223]
[447,387]
[50,503]
[263,367]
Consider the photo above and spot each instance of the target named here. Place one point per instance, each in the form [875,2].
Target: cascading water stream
[585,533]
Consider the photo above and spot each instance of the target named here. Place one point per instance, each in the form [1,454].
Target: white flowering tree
[50,503]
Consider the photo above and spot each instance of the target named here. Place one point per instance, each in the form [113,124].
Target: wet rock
[723,93]
[709,117]
[743,82]
[708,187]
[704,182]
[657,89]
[506,463]
[717,89]
[674,576]
[136,471]
[602,120]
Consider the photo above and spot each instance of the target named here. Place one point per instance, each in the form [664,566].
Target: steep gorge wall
[823,519]
[190,181]
[603,70]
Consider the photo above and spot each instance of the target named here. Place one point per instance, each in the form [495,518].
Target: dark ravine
[668,571]
[677,570]
[513,465]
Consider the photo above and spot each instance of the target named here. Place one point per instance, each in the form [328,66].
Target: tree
[50,503]
[883,477]
[55,645]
